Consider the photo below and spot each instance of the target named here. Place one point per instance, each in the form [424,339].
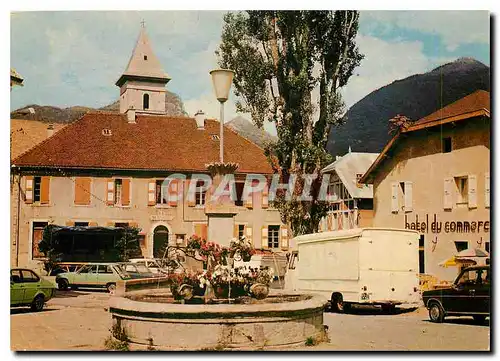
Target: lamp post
[222,80]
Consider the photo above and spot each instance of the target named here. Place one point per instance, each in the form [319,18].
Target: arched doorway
[160,241]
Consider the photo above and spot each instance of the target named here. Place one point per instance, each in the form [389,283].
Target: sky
[74,58]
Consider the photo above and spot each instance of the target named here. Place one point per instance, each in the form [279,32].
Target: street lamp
[222,79]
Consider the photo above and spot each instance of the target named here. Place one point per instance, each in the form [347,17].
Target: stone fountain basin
[282,321]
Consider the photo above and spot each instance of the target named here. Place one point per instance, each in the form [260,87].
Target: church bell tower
[142,85]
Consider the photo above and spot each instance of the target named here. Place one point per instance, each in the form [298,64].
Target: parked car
[468,296]
[155,265]
[28,289]
[66,267]
[93,275]
[138,270]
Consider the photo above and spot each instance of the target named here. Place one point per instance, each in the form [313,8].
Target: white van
[377,266]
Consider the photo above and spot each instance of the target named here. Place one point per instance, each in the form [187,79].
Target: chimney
[200,119]
[131,115]
[50,130]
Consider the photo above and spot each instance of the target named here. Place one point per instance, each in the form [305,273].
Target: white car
[151,263]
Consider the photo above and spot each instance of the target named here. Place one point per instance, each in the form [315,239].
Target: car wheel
[337,303]
[479,318]
[111,287]
[62,284]
[436,312]
[37,304]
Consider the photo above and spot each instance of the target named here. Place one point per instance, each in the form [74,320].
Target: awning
[472,252]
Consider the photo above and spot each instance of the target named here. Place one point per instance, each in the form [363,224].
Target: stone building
[434,177]
[352,206]
[108,169]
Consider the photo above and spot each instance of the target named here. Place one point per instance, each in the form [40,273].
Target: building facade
[109,169]
[434,177]
[352,206]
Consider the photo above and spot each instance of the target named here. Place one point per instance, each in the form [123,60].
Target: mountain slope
[47,113]
[248,130]
[366,128]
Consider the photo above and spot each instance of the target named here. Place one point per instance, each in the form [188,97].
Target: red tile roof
[473,105]
[26,133]
[467,107]
[152,143]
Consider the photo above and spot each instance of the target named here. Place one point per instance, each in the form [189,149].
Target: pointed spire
[143,63]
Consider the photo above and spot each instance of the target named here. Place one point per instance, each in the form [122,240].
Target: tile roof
[477,102]
[347,167]
[474,105]
[25,134]
[152,143]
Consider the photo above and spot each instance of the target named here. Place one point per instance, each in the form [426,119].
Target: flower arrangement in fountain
[241,248]
[225,280]
[208,250]
[238,279]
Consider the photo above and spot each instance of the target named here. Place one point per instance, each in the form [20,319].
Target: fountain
[223,307]
[164,314]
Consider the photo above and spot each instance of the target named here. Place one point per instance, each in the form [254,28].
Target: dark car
[468,296]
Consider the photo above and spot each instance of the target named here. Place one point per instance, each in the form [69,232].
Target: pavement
[79,320]
[406,330]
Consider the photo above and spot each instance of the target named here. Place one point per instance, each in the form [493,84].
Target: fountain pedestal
[221,210]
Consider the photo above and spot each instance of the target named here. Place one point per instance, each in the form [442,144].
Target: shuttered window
[28,189]
[447,193]
[284,237]
[265,197]
[152,187]
[118,192]
[174,188]
[249,234]
[201,230]
[44,190]
[125,196]
[37,235]
[408,195]
[472,191]
[264,237]
[487,190]
[394,197]
[82,191]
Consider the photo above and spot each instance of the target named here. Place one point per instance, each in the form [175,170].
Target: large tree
[289,67]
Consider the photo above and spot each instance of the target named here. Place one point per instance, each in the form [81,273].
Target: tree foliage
[289,67]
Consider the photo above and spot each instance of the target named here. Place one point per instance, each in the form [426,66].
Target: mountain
[46,113]
[366,127]
[248,130]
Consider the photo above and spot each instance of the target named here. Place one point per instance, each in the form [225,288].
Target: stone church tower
[142,85]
